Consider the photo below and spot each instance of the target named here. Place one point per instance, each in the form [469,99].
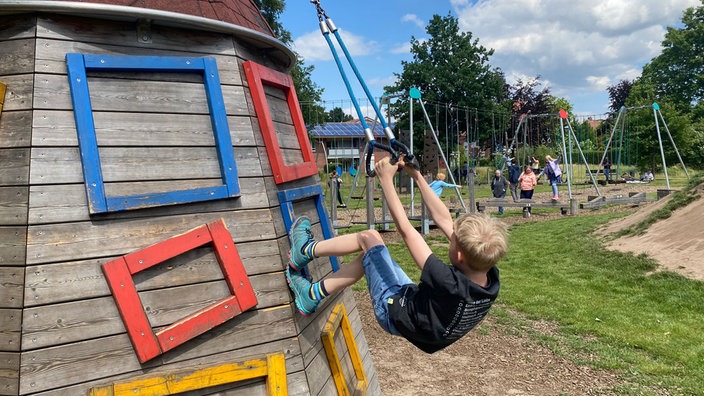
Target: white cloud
[313,46]
[413,18]
[404,48]
[579,47]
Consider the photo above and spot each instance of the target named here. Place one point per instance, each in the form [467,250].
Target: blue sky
[577,47]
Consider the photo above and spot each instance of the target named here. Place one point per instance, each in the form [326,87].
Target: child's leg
[304,247]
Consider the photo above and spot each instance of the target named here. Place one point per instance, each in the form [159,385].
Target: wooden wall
[60,331]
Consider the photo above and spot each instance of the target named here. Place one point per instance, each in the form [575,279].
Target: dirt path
[495,359]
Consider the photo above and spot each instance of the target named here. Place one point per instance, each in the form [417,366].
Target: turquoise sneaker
[299,235]
[301,290]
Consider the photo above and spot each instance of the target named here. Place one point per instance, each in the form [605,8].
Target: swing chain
[322,15]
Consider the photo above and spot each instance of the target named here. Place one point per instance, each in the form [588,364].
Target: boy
[448,302]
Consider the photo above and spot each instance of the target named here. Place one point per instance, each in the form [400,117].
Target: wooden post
[470,185]
[424,220]
[333,204]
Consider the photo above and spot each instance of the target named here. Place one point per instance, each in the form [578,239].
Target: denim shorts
[384,279]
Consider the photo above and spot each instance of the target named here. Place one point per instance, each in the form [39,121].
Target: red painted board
[170,248]
[232,266]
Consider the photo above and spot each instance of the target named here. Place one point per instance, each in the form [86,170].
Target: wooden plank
[67,202]
[52,165]
[13,244]
[111,94]
[17,26]
[17,56]
[77,241]
[296,378]
[51,58]
[10,329]
[70,281]
[58,128]
[11,286]
[15,128]
[89,360]
[14,166]
[102,31]
[57,324]
[9,373]
[20,92]
[14,202]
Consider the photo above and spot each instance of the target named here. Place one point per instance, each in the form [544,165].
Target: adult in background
[606,163]
[499,184]
[527,181]
[513,172]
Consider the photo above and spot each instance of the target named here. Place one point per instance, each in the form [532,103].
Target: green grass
[611,310]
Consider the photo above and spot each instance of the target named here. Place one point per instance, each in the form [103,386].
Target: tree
[618,93]
[337,115]
[678,72]
[308,92]
[450,68]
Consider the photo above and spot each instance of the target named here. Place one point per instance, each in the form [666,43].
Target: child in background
[439,183]
[527,181]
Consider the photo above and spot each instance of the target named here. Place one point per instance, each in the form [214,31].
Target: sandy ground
[498,360]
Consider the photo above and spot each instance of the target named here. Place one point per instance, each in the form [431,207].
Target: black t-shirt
[443,307]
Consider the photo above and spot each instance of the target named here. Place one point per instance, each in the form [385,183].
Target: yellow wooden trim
[273,367]
[338,319]
[3,87]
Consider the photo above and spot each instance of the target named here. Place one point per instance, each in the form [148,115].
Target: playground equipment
[144,217]
[619,126]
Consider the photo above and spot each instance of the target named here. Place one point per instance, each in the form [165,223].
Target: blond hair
[483,240]
[440,176]
[548,158]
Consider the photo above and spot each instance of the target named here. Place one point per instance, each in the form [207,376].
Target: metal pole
[371,217]
[673,144]
[470,184]
[333,203]
[564,155]
[584,158]
[662,152]
[413,198]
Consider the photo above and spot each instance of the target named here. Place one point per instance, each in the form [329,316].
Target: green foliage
[434,70]
[337,115]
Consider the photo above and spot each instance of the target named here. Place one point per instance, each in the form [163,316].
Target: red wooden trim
[231,265]
[257,76]
[119,273]
[168,249]
[198,323]
[130,307]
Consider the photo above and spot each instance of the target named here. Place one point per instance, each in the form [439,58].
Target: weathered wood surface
[51,58]
[71,281]
[66,323]
[14,166]
[17,26]
[12,245]
[19,92]
[111,94]
[105,357]
[14,202]
[10,329]
[58,128]
[101,31]
[51,165]
[11,287]
[67,203]
[295,376]
[9,373]
[15,128]
[77,241]
[17,56]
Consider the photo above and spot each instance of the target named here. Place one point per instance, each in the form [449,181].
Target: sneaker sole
[295,300]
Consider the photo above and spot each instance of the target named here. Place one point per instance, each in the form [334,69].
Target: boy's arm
[437,209]
[419,249]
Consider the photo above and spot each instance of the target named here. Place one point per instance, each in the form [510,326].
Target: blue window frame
[79,64]
[286,199]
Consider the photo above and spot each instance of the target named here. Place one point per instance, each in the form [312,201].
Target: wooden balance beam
[523,203]
[597,202]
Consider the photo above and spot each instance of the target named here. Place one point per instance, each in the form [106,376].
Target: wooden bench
[522,203]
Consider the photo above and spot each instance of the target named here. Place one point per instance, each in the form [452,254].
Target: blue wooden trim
[286,198]
[99,202]
[119,203]
[85,128]
[218,120]
[143,63]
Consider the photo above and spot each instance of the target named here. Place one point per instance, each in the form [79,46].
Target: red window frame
[149,344]
[257,77]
